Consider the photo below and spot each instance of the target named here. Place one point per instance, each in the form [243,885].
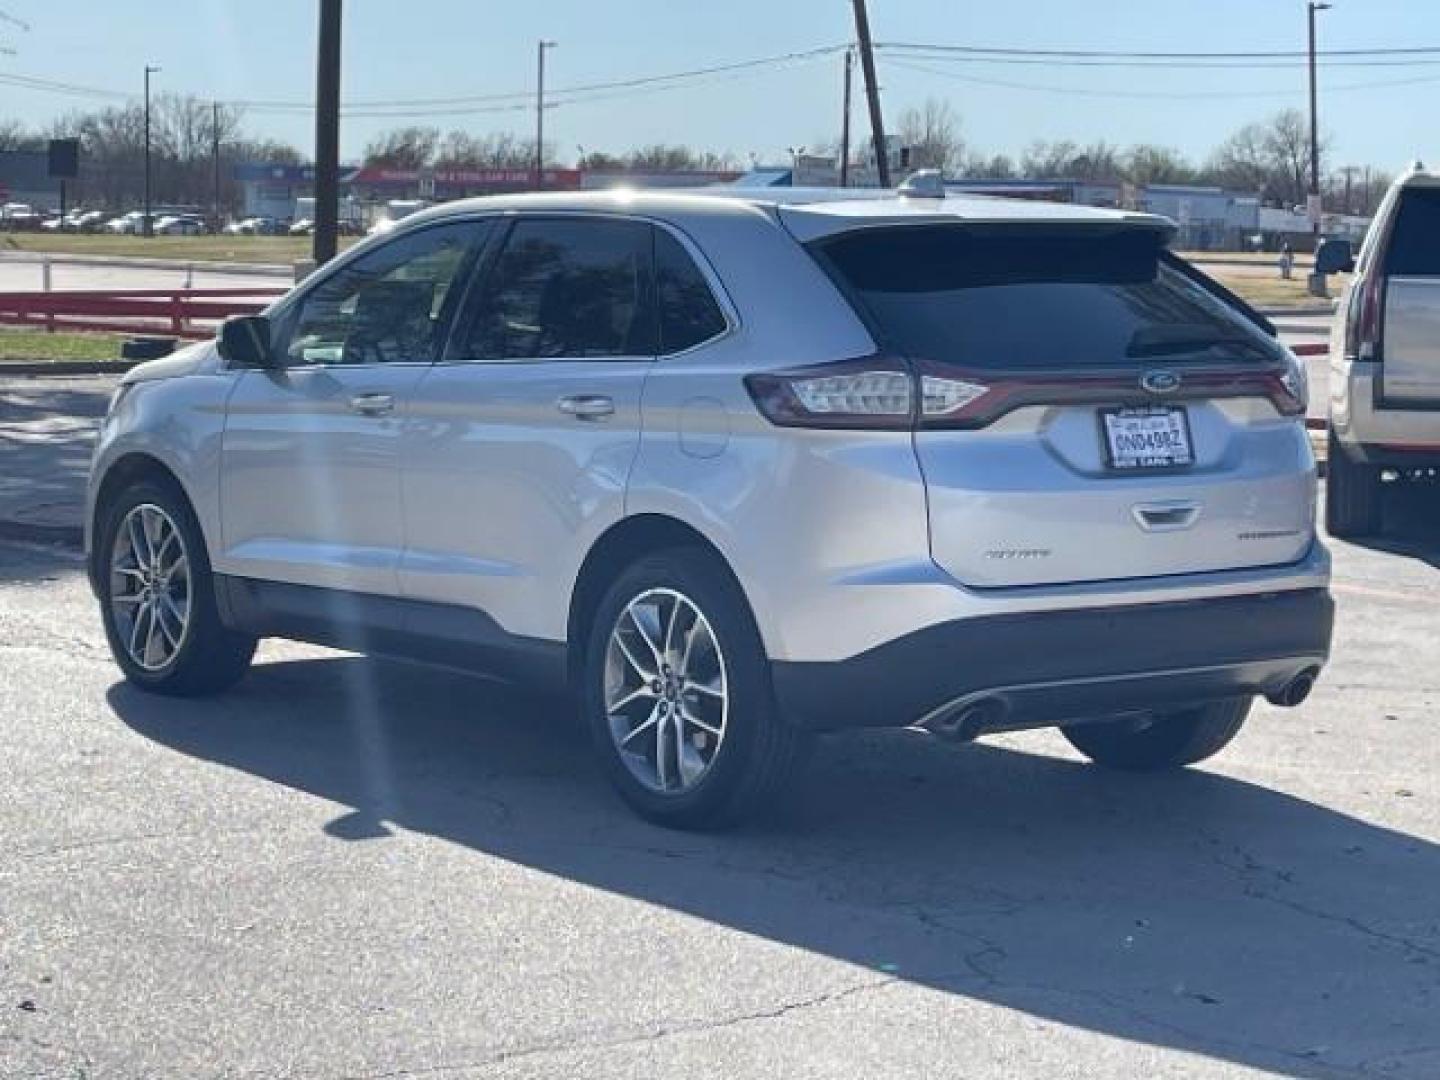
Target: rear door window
[1414,248]
[1018,298]
[572,288]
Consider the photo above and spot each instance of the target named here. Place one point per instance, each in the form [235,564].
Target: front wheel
[1164,740]
[157,595]
[677,695]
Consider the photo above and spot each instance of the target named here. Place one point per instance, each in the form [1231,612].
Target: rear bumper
[1394,435]
[1044,668]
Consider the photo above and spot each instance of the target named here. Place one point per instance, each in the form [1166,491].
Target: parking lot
[350,868]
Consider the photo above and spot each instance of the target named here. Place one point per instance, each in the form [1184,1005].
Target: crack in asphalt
[1253,865]
[777,1012]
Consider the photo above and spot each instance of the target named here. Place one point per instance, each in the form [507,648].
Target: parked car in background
[128,224]
[974,464]
[1385,358]
[20,217]
[303,227]
[255,226]
[180,225]
[93,221]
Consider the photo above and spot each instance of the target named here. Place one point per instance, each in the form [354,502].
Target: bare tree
[16,136]
[994,167]
[931,134]
[497,150]
[1271,158]
[403,148]
[1150,164]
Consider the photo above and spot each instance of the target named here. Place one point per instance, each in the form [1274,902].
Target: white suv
[737,469]
[1385,358]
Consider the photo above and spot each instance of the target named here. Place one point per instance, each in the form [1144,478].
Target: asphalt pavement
[347,868]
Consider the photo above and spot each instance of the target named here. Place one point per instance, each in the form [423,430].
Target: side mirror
[245,342]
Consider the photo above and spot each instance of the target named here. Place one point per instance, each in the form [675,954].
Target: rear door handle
[587,406]
[373,404]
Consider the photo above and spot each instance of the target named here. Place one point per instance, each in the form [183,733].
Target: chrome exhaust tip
[1295,691]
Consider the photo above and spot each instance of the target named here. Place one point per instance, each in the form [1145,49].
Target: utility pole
[872,92]
[147,226]
[1312,6]
[215,141]
[845,123]
[327,133]
[540,47]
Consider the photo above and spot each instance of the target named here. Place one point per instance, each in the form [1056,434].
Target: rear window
[1023,298]
[1414,248]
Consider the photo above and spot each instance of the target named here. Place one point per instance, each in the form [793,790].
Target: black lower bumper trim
[1055,666]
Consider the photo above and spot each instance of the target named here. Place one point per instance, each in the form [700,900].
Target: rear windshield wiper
[1183,338]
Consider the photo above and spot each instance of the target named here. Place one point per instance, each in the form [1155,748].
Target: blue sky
[263,49]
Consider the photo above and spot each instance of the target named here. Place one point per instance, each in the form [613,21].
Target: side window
[566,287]
[689,314]
[1414,249]
[386,307]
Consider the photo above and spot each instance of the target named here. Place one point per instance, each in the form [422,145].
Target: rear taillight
[1362,319]
[894,394]
[871,392]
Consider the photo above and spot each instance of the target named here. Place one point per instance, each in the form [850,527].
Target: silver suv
[1385,358]
[737,469]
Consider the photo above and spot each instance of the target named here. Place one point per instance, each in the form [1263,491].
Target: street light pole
[147,226]
[1312,7]
[540,47]
[845,123]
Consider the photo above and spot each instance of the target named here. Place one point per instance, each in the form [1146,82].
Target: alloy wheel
[666,694]
[150,586]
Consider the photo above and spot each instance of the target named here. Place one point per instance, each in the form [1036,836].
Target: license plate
[1152,437]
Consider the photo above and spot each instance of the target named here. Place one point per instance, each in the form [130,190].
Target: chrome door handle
[372,404]
[587,406]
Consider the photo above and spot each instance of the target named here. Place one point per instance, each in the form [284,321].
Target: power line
[1420,50]
[6,17]
[1160,95]
[1221,65]
[615,84]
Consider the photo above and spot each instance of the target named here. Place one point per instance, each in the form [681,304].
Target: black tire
[1352,494]
[1168,741]
[760,753]
[210,657]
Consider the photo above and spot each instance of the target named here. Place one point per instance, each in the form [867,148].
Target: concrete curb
[1310,311]
[61,368]
[204,265]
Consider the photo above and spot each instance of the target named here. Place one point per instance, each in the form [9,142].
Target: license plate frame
[1127,461]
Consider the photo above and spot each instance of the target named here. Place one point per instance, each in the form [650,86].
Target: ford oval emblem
[1160,382]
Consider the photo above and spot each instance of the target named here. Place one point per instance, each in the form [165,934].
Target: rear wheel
[157,595]
[1165,740]
[678,699]
[1352,494]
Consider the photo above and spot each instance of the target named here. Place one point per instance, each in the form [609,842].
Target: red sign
[468,178]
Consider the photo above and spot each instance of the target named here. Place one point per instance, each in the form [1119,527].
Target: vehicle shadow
[1412,523]
[1190,911]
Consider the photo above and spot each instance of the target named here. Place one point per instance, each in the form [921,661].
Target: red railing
[134,311]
